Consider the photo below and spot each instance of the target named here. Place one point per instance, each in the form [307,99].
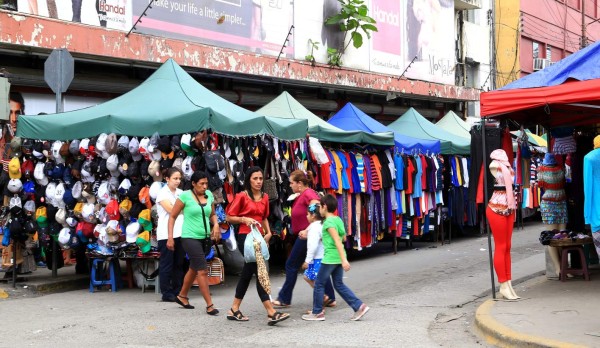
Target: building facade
[425,54]
[531,35]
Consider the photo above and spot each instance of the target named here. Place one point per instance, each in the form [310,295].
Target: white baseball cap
[103,193]
[59,193]
[64,236]
[39,175]
[101,145]
[131,232]
[51,193]
[155,189]
[56,152]
[134,149]
[15,185]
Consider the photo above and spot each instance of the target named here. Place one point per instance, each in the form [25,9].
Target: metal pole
[583,34]
[14,263]
[485,195]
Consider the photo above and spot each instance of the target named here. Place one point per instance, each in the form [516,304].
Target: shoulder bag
[206,242]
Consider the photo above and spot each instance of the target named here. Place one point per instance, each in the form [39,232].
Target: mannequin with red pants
[500,213]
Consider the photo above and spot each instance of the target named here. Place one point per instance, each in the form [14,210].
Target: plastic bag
[230,243]
[249,255]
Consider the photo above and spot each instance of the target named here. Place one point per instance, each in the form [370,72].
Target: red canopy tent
[564,94]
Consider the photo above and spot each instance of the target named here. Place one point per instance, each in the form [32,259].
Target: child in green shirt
[333,265]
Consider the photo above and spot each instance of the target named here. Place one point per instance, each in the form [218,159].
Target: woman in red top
[300,183]
[248,208]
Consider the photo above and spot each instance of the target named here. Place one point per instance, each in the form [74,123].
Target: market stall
[560,98]
[89,178]
[455,125]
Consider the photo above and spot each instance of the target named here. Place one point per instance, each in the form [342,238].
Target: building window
[536,50]
[548,52]
[472,16]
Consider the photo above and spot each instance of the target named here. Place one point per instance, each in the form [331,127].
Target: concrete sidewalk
[551,314]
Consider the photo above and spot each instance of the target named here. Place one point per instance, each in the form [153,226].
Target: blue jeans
[172,268]
[292,265]
[336,272]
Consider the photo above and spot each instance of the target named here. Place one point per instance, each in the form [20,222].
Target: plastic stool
[154,281]
[98,272]
[564,264]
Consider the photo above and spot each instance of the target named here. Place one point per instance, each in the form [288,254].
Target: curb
[499,335]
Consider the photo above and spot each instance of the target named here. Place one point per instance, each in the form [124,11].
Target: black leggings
[248,271]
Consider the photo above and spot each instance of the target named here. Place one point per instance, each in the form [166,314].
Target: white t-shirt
[162,229]
[314,244]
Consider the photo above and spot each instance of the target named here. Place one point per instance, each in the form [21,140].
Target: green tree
[353,20]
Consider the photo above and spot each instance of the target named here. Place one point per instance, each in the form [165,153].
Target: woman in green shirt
[198,208]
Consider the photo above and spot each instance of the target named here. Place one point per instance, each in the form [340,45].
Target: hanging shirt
[399,165]
[417,190]
[360,167]
[333,178]
[375,178]
[410,172]
[343,174]
[357,186]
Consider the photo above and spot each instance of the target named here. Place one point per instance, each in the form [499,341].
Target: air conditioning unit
[540,63]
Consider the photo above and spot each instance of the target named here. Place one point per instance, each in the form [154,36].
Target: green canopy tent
[285,106]
[411,123]
[170,101]
[453,124]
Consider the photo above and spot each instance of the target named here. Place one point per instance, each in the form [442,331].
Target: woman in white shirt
[172,266]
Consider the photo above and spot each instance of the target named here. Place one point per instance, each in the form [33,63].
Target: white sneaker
[360,312]
[314,317]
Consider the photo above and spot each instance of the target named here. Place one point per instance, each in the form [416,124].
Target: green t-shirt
[331,255]
[193,227]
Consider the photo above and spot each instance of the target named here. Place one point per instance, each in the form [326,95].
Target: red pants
[502,228]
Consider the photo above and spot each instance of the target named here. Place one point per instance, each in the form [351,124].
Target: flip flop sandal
[237,316]
[276,318]
[213,311]
[329,303]
[278,304]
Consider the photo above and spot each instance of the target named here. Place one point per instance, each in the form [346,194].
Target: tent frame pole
[485,195]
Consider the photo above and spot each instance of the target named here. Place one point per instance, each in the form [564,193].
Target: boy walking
[333,265]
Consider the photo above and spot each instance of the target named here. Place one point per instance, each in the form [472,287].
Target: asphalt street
[420,297]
